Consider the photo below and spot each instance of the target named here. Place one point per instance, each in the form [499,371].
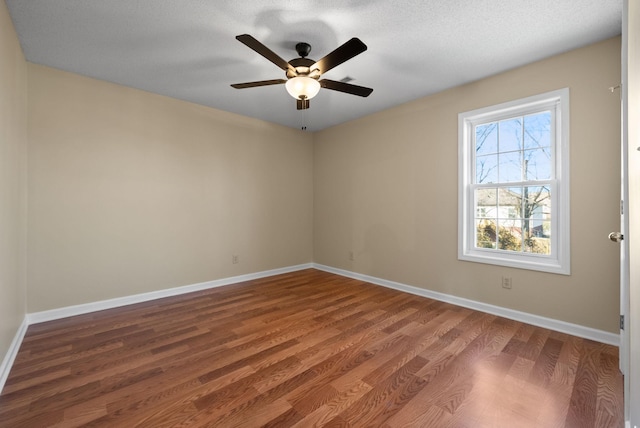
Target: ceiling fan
[303,74]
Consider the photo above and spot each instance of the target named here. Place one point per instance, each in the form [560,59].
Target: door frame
[624,355]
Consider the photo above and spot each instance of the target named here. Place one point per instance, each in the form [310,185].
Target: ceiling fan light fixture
[302,87]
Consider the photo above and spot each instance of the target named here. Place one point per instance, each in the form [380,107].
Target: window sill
[541,264]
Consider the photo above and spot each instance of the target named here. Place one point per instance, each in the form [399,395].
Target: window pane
[510,135]
[537,224]
[537,202]
[537,164]
[486,202]
[487,138]
[510,167]
[539,228]
[486,233]
[510,203]
[537,130]
[487,169]
[510,235]
[538,239]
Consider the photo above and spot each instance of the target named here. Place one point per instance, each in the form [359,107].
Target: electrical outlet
[506,282]
[235,259]
[351,256]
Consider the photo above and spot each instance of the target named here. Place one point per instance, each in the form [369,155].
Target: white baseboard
[54,314]
[69,311]
[551,324]
[11,354]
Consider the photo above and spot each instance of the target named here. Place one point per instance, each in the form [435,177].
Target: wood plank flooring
[307,349]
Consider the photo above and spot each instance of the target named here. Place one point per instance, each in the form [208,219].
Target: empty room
[307,214]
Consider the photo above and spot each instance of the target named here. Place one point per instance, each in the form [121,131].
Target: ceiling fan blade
[257,46]
[258,83]
[343,53]
[346,87]
[302,104]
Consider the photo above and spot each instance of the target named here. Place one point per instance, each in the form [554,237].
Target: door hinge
[621,207]
[621,322]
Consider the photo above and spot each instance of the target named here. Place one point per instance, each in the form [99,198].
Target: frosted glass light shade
[302,87]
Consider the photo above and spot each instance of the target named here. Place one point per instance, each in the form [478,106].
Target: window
[514,184]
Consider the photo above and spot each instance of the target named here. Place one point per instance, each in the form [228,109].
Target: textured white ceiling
[187,49]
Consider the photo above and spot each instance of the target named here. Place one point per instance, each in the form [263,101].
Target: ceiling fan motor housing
[302,68]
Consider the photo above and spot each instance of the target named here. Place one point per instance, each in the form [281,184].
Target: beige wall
[131,192]
[13,150]
[386,189]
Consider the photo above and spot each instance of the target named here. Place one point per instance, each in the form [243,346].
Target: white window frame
[559,261]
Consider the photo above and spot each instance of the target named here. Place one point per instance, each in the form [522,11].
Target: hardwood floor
[307,349]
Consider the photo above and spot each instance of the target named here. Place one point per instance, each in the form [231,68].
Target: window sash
[552,184]
[521,151]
